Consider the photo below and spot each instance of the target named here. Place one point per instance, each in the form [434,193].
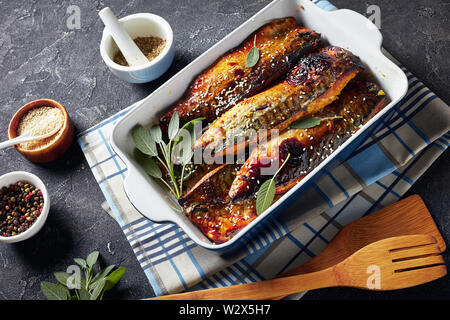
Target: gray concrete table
[41,56]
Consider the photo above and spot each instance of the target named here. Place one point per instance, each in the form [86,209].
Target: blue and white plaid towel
[383,169]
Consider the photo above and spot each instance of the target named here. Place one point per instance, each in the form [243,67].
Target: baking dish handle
[151,207]
[358,26]
[347,23]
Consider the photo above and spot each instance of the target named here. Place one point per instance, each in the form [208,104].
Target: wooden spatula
[388,264]
[407,216]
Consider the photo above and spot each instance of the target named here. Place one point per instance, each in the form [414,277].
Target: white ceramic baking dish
[344,28]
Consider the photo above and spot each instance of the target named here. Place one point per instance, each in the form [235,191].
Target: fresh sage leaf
[266,193]
[146,145]
[143,141]
[186,156]
[62,277]
[114,277]
[265,196]
[311,122]
[92,258]
[190,126]
[253,55]
[174,125]
[164,148]
[53,291]
[84,294]
[148,164]
[71,281]
[182,153]
[156,133]
[102,274]
[91,288]
[98,289]
[81,262]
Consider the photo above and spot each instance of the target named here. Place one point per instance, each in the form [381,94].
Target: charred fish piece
[314,83]
[309,147]
[209,207]
[280,42]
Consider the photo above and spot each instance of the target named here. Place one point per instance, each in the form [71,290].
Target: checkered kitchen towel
[382,170]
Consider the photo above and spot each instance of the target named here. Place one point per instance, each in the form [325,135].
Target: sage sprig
[311,122]
[177,151]
[91,287]
[266,192]
[253,55]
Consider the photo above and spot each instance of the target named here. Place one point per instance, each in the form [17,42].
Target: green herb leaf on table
[266,193]
[91,288]
[53,291]
[253,55]
[81,262]
[62,277]
[92,258]
[98,289]
[84,294]
[102,274]
[114,278]
[143,141]
[311,122]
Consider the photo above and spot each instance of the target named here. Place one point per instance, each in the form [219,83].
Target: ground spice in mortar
[20,205]
[39,121]
[151,47]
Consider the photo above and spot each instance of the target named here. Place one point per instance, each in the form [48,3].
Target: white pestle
[129,49]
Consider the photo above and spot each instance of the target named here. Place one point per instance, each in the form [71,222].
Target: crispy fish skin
[209,207]
[314,83]
[212,187]
[223,202]
[309,147]
[220,224]
[281,43]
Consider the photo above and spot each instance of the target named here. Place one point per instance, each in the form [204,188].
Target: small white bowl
[12,178]
[140,25]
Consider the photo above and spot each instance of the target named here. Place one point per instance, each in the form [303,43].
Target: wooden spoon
[388,264]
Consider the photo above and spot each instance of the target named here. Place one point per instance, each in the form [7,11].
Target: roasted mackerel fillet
[308,147]
[281,43]
[314,83]
[209,205]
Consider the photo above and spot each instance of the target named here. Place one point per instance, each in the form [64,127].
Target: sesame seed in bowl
[40,121]
[41,116]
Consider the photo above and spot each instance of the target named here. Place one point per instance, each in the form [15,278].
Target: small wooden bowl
[56,148]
